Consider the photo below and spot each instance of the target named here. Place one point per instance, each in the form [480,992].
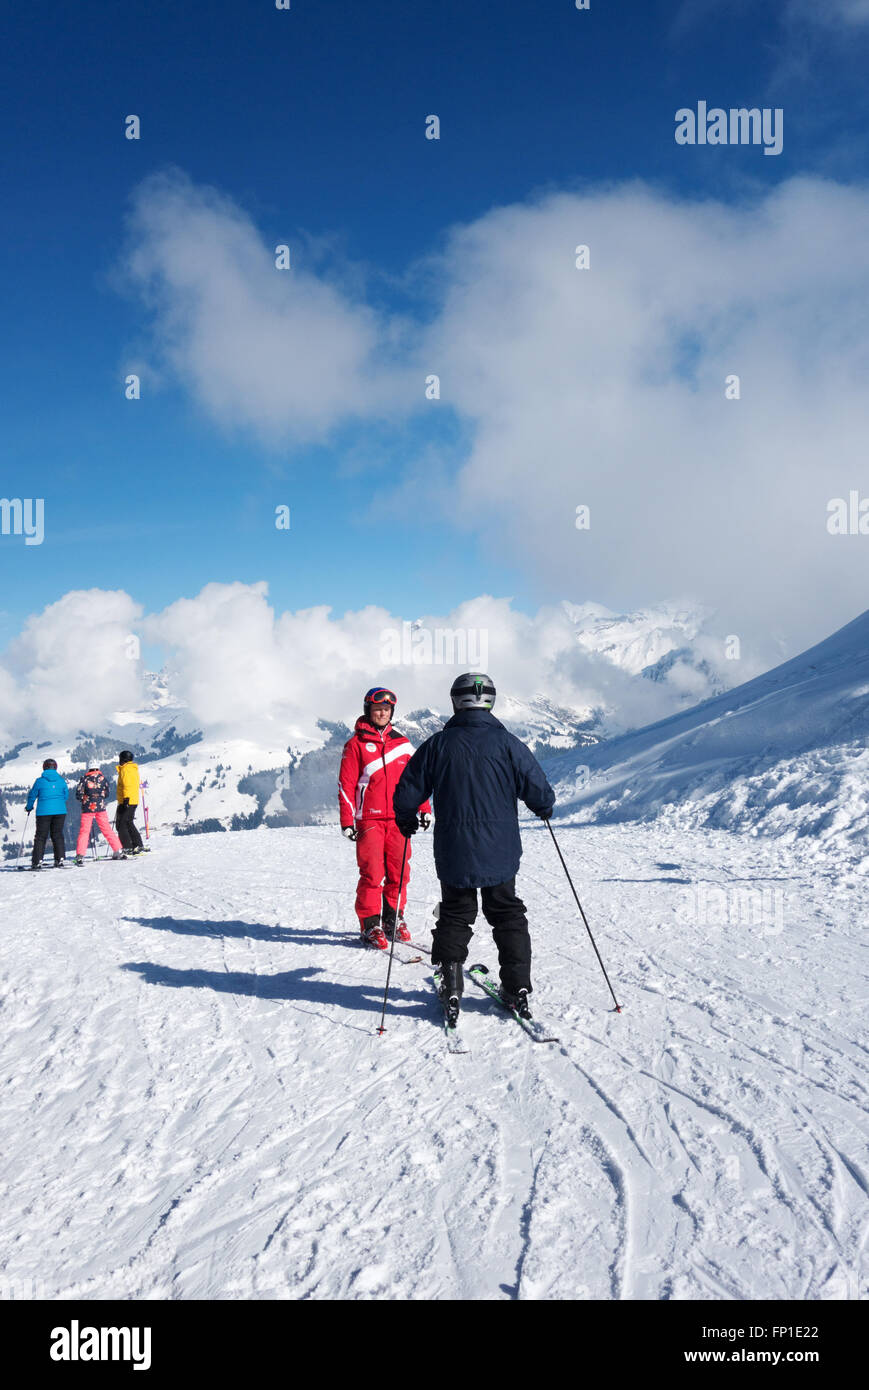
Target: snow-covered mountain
[200,779]
[783,754]
[204,783]
[636,642]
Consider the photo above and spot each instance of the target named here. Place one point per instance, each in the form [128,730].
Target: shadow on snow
[292,985]
[296,985]
[259,931]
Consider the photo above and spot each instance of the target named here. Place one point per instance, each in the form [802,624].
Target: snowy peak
[784,753]
[636,641]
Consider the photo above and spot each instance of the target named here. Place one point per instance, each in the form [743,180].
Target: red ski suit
[371,764]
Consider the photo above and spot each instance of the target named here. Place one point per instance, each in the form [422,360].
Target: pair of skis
[537,1031]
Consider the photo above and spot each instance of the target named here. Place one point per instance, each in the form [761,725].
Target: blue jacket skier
[477,773]
[48,794]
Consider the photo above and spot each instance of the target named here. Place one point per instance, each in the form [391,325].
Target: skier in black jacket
[476,771]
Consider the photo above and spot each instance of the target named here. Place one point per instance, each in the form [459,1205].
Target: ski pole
[381,1030]
[23,838]
[583,916]
[94,838]
[145,812]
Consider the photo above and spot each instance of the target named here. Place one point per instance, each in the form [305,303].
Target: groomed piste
[198,1105]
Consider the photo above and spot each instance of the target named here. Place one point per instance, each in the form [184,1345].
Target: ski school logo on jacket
[371,748]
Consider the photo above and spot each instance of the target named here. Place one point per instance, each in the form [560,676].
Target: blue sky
[311,122]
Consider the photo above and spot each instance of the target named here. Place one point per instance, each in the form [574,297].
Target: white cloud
[285,353]
[602,387]
[606,387]
[71,666]
[245,671]
[11,708]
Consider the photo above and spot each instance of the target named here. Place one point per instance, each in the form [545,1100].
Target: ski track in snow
[197,1104]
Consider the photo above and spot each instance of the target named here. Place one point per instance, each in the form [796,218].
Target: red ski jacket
[371,764]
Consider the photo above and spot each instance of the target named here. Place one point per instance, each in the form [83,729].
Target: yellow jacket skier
[128,800]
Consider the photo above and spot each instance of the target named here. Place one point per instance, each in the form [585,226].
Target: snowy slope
[782,754]
[197,1105]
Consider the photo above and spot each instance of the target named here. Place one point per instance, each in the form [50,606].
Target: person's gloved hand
[408,827]
[126,801]
[349,832]
[544,815]
[424,820]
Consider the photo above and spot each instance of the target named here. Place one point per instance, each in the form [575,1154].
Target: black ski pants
[125,824]
[505,914]
[45,826]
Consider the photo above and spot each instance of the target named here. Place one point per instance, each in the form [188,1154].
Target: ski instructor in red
[371,764]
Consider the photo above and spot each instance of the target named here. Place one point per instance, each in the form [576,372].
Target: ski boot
[516,1000]
[78,861]
[34,868]
[450,990]
[60,863]
[372,934]
[400,932]
[119,854]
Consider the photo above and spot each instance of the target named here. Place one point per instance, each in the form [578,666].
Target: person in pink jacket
[93,793]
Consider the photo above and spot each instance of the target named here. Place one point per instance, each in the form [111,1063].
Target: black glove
[349,831]
[424,820]
[544,815]
[408,827]
[126,801]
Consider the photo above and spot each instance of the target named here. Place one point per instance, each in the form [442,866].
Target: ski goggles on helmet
[380,696]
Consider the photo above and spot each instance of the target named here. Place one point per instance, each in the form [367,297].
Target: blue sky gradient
[311,121]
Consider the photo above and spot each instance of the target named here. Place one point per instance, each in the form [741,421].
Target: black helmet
[49,763]
[125,757]
[473,690]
